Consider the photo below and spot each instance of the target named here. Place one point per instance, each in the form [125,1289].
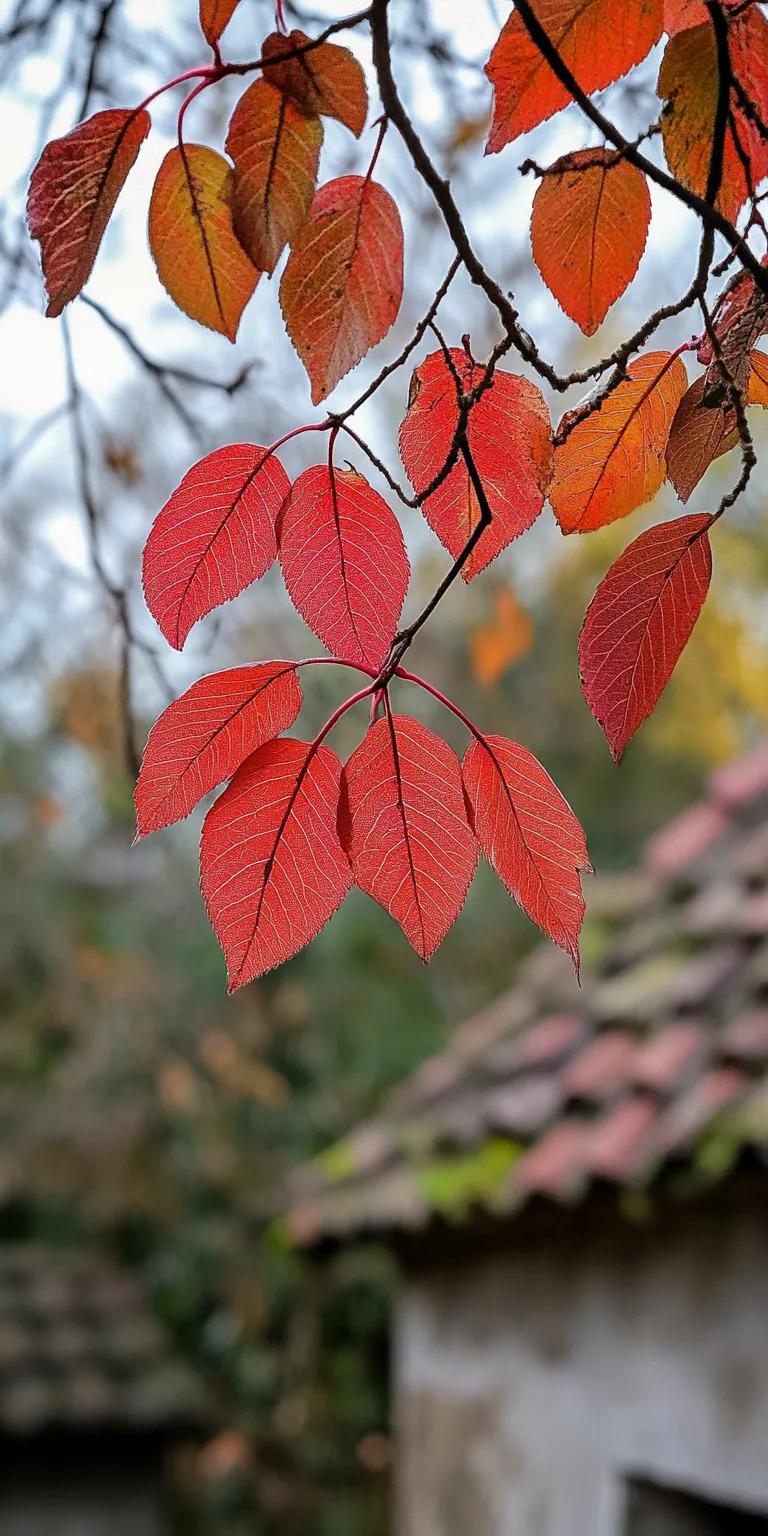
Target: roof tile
[620,1142]
[663,1060]
[557,1162]
[601,1067]
[667,1038]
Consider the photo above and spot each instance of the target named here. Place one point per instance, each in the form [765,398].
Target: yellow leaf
[199,259]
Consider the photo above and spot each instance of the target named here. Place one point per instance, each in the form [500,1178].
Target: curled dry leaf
[688,82]
[275,148]
[72,193]
[272,869]
[215,15]
[589,227]
[325,79]
[214,536]
[613,461]
[529,835]
[199,260]
[403,822]
[202,737]
[599,40]
[703,431]
[344,562]
[699,434]
[343,283]
[640,620]
[510,439]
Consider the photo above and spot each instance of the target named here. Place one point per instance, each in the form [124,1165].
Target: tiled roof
[657,1065]
[80,1350]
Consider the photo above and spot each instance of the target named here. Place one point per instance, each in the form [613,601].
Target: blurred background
[147,1122]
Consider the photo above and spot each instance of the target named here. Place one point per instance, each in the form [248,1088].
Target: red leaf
[510,441]
[213,537]
[599,40]
[529,835]
[589,226]
[403,822]
[639,621]
[276,149]
[272,868]
[72,192]
[215,15]
[199,260]
[327,79]
[201,738]
[344,562]
[343,282]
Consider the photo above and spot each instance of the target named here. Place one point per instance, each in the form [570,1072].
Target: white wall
[529,1384]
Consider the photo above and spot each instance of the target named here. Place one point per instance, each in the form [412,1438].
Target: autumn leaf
[688,82]
[613,461]
[599,40]
[698,435]
[343,283]
[272,869]
[326,80]
[199,260]
[529,835]
[215,15]
[202,737]
[214,536]
[496,645]
[344,562]
[72,193]
[275,148]
[758,379]
[589,227]
[640,620]
[703,431]
[739,319]
[510,441]
[403,823]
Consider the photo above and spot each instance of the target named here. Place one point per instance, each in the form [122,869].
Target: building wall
[532,1384]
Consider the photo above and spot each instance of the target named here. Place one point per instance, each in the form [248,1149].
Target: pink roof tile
[601,1066]
[662,1061]
[619,1143]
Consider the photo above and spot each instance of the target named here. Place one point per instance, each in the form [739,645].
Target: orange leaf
[589,226]
[215,15]
[758,379]
[198,257]
[326,80]
[599,40]
[613,460]
[343,283]
[688,82]
[495,646]
[510,439]
[72,192]
[276,149]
